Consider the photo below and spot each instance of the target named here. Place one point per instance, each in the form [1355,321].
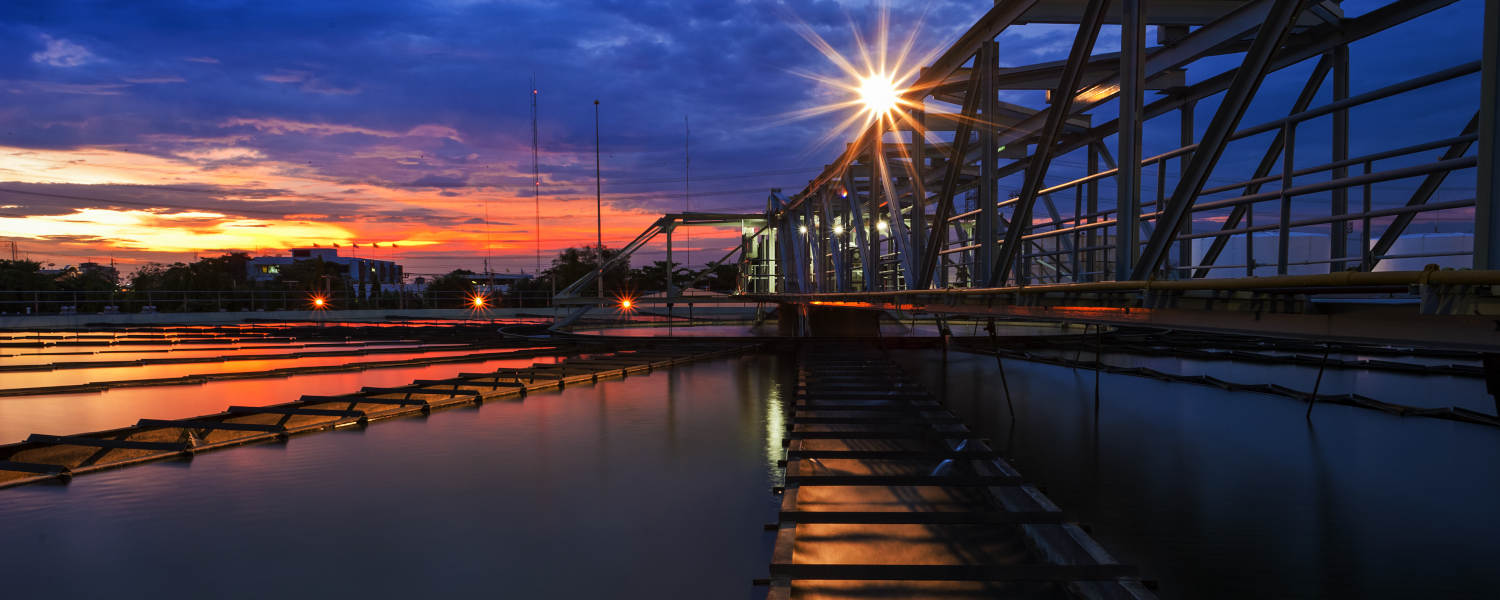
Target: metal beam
[1128,176]
[1163,12]
[989,218]
[897,226]
[1268,38]
[1020,221]
[1487,206]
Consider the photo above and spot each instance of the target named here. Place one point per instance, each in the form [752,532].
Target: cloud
[62,53]
[440,181]
[54,87]
[202,59]
[221,154]
[161,79]
[284,76]
[288,126]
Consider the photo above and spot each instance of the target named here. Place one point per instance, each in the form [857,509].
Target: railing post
[1284,228]
[1185,138]
[1367,261]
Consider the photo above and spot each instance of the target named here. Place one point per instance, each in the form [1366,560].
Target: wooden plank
[786,540]
[914,420]
[951,572]
[893,454]
[922,517]
[30,467]
[365,400]
[907,480]
[76,440]
[879,435]
[292,410]
[209,424]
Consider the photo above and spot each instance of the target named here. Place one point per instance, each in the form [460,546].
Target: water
[1234,495]
[657,485]
[653,486]
[58,414]
[24,379]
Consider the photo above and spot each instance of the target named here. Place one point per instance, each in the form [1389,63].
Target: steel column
[989,217]
[1487,202]
[1184,137]
[1128,177]
[918,170]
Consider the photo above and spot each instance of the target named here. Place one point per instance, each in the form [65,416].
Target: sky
[159,131]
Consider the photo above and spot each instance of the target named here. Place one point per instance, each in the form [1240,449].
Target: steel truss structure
[921,207]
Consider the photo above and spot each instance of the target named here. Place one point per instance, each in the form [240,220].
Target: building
[385,274]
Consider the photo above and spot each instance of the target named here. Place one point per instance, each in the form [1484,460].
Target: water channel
[657,485]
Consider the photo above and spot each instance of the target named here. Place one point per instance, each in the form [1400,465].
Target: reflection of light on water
[775,431]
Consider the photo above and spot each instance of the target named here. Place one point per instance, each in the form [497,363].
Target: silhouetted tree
[16,275]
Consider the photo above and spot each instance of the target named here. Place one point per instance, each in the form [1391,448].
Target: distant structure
[384,274]
[87,268]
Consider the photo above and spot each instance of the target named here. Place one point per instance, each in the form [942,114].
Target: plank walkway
[889,495]
[44,457]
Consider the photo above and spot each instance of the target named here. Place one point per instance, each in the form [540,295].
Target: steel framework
[923,210]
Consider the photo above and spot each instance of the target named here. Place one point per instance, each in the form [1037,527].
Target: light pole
[598,202]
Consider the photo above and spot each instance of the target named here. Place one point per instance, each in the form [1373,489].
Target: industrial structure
[915,216]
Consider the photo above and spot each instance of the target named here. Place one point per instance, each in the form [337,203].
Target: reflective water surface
[1222,494]
[654,486]
[59,414]
[657,486]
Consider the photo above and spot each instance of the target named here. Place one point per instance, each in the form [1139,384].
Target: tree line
[156,283]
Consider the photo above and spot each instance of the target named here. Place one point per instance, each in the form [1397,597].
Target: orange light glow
[478,301]
[319,303]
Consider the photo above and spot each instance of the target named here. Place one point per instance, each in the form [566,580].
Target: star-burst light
[873,86]
[624,303]
[478,302]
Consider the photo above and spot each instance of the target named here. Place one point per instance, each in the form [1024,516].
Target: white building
[385,274]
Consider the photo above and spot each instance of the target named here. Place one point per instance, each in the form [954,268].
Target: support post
[1338,233]
[1184,137]
[1091,238]
[989,217]
[1487,200]
[1128,178]
[918,196]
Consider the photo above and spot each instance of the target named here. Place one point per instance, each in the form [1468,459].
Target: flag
[335,245]
[315,245]
[355,244]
